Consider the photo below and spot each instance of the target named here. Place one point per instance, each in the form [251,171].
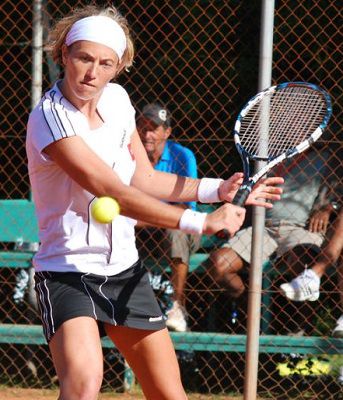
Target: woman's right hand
[228,217]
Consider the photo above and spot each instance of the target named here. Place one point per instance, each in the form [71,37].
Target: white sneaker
[338,330]
[340,376]
[304,287]
[176,318]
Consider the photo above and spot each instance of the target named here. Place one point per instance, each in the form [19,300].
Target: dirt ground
[38,394]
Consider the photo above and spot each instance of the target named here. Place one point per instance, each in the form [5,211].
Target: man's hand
[319,221]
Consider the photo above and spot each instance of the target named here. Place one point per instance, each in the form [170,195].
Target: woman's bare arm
[75,157]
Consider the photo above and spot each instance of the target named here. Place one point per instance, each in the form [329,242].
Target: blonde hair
[59,31]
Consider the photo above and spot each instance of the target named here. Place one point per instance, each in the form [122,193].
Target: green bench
[198,341]
[17,224]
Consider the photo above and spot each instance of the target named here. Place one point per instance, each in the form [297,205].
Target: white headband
[99,29]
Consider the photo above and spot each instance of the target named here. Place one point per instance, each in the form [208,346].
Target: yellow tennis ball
[105,209]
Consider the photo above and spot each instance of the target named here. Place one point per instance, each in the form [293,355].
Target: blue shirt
[179,160]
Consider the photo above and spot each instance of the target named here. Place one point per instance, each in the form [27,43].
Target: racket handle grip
[238,200]
[241,196]
[223,234]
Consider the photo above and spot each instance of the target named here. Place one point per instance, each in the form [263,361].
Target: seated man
[306,285]
[154,128]
[286,227]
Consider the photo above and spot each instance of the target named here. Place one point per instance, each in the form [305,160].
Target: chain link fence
[200,58]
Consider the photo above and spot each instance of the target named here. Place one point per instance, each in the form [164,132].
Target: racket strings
[281,120]
[299,128]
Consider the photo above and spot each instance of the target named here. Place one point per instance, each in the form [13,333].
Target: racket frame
[249,181]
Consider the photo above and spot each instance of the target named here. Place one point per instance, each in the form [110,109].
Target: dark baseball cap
[157,113]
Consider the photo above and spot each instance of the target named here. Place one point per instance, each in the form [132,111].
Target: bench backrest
[18,221]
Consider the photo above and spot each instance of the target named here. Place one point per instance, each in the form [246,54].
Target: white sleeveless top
[71,240]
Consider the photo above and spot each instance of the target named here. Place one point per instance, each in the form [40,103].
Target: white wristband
[192,221]
[208,190]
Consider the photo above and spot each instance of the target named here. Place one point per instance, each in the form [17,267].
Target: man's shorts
[166,243]
[279,239]
[125,299]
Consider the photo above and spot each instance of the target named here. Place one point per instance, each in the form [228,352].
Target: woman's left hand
[263,192]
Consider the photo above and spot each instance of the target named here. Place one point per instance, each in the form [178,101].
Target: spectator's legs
[332,249]
[338,330]
[300,255]
[306,285]
[225,265]
[340,279]
[178,279]
[182,246]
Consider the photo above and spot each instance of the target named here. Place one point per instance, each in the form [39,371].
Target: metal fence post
[255,278]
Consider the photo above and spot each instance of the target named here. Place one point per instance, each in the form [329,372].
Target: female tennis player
[81,144]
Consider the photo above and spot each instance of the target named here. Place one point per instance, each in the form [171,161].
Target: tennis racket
[276,124]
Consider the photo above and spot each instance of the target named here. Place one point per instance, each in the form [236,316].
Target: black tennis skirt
[126,299]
